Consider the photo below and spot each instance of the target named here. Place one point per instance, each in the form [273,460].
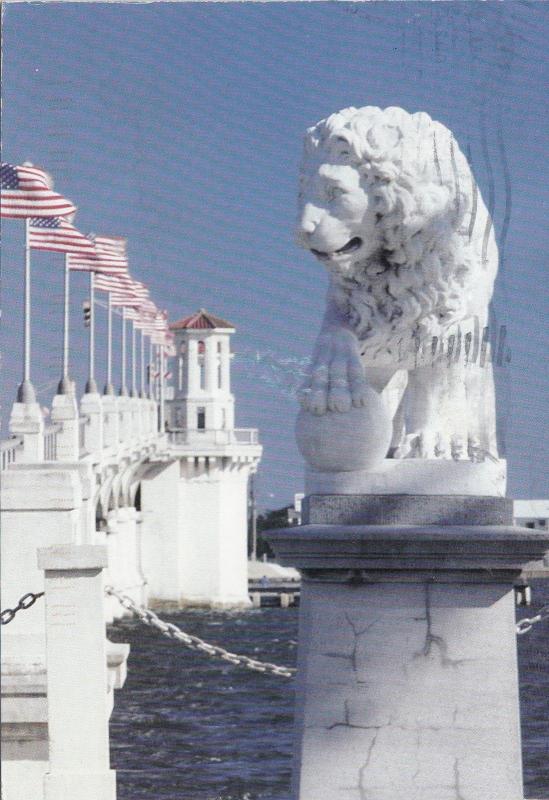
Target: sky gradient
[180,127]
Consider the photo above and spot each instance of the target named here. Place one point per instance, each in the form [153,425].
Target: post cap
[72,556]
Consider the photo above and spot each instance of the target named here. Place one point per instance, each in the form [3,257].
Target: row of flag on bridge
[27,193]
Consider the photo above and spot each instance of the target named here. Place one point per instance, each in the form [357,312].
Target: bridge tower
[199,508]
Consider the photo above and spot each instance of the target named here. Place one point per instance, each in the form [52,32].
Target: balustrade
[220,436]
[9,450]
[50,442]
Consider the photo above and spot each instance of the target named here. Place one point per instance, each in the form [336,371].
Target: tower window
[201,418]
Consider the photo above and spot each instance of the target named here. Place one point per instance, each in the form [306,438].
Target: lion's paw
[336,382]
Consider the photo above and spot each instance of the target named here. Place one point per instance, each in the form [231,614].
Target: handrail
[8,450]
[185,436]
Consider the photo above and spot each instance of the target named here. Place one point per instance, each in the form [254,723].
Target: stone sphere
[336,441]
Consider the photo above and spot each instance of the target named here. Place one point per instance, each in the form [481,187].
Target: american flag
[59,235]
[27,192]
[120,288]
[109,257]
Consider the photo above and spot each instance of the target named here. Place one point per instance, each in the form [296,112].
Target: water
[188,727]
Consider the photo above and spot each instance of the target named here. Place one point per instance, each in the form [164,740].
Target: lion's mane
[430,214]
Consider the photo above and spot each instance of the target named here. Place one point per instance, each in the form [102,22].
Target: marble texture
[414,476]
[409,692]
[407,685]
[388,205]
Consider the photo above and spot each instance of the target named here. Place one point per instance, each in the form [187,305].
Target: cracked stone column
[407,686]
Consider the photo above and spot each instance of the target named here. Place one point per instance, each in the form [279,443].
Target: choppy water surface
[188,727]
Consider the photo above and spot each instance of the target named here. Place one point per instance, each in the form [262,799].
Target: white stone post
[135,404]
[111,421]
[92,407]
[64,410]
[76,674]
[407,684]
[27,421]
[125,419]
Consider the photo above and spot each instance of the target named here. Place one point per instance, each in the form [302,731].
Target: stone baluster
[76,658]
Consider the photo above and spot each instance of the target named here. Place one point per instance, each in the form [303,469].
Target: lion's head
[386,203]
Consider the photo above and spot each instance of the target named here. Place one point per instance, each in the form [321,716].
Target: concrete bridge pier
[407,686]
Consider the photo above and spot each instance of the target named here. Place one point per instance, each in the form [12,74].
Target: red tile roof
[201,320]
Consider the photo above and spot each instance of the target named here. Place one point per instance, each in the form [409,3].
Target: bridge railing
[9,451]
[184,437]
[50,441]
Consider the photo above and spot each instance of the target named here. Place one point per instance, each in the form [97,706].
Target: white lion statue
[389,205]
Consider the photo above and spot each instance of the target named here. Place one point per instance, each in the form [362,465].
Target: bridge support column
[78,712]
[27,421]
[65,411]
[92,407]
[124,545]
[407,686]
[214,532]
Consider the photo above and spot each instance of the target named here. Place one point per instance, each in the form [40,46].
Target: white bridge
[107,493]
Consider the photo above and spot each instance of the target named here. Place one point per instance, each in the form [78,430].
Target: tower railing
[184,436]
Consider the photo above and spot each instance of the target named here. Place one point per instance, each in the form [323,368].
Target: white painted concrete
[409,692]
[77,685]
[64,411]
[414,476]
[26,421]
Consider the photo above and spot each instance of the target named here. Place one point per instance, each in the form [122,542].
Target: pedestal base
[407,685]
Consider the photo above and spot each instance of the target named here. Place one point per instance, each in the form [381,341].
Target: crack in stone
[436,640]
[346,723]
[352,656]
[457,785]
[361,772]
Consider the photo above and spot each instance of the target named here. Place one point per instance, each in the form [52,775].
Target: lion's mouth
[352,245]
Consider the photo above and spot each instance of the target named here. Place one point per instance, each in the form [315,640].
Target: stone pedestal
[91,406]
[407,686]
[65,411]
[78,712]
[111,426]
[26,421]
[125,419]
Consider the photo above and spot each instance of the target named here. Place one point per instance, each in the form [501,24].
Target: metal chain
[194,642]
[25,602]
[526,624]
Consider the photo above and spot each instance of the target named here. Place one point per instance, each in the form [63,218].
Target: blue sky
[180,125]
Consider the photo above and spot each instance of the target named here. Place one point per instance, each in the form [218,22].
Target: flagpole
[109,387]
[123,390]
[91,386]
[64,384]
[161,404]
[150,370]
[26,393]
[134,390]
[142,363]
